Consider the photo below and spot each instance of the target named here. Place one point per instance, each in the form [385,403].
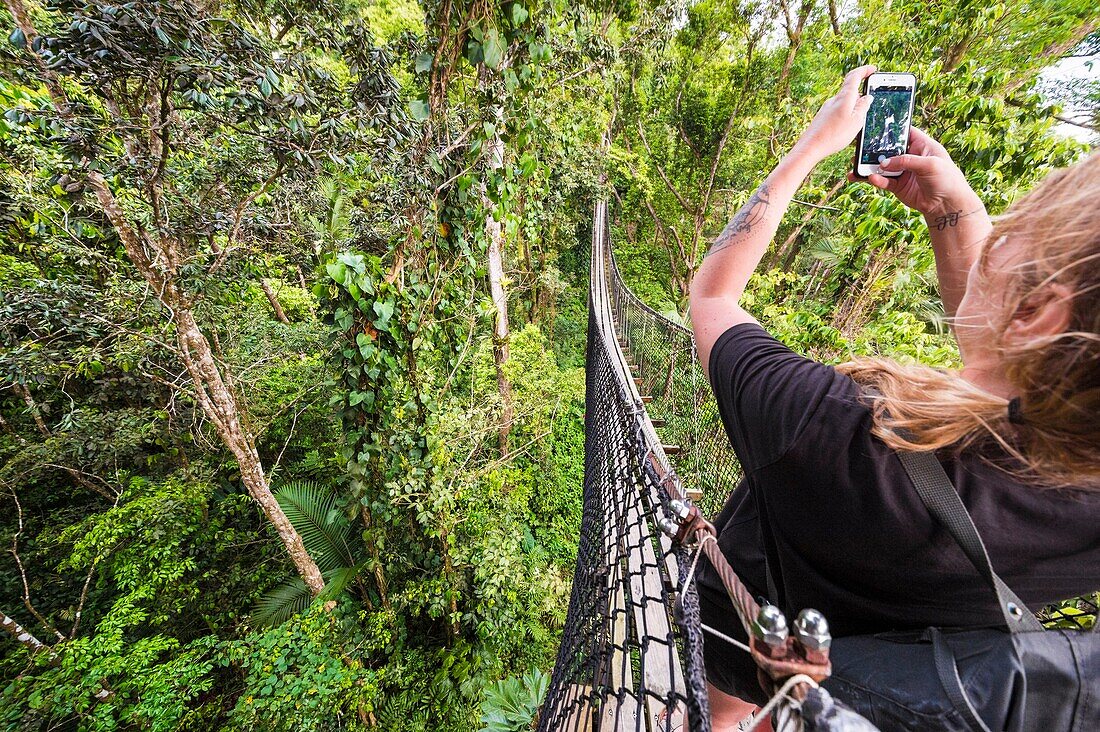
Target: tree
[135,92]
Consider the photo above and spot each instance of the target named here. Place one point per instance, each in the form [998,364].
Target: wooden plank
[619,713]
[660,664]
[582,712]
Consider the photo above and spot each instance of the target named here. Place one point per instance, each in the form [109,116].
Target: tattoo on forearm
[750,215]
[951,218]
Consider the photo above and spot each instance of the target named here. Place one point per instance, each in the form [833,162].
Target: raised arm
[718,285]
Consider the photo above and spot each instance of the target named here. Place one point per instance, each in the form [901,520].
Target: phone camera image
[886,130]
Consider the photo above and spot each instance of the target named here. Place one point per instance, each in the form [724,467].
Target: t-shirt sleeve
[766,392]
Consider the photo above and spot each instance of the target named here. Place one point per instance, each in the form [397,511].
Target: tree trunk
[494,233]
[784,75]
[271,298]
[833,19]
[220,407]
[23,635]
[32,407]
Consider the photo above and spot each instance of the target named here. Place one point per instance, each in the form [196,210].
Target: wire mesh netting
[631,652]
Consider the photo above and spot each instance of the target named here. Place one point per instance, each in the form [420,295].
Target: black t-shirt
[840,523]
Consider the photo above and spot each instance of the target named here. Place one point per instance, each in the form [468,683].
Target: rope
[695,560]
[743,601]
[782,694]
[726,638]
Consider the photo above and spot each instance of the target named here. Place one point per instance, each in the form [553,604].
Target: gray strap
[942,501]
[948,671]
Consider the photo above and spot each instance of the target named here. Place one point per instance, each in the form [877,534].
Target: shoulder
[769,396]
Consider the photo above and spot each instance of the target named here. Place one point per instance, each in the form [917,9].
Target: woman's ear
[1047,312]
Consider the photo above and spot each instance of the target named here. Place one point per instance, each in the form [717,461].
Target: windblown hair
[1055,440]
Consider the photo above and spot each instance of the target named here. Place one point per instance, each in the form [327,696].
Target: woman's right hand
[930,181]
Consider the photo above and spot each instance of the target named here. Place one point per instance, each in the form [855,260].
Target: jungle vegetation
[293,305]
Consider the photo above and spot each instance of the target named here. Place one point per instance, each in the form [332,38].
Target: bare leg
[726,711]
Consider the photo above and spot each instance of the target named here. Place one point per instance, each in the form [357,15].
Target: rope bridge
[631,653]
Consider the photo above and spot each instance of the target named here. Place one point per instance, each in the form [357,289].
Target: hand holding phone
[925,179]
[885,132]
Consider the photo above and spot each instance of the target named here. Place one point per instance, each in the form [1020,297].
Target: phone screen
[886,130]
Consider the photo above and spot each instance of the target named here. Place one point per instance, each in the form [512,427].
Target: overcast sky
[1087,67]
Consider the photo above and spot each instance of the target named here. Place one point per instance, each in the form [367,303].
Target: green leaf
[281,603]
[337,271]
[527,164]
[337,580]
[494,49]
[419,109]
[311,508]
[519,14]
[384,310]
[424,63]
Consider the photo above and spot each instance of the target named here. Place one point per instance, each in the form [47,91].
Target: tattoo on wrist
[750,215]
[951,218]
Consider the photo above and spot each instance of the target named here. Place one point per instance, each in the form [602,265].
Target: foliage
[300,676]
[327,535]
[339,162]
[512,704]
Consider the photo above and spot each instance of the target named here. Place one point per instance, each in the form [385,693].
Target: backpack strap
[942,501]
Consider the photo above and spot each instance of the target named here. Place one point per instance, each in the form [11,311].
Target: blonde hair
[1056,438]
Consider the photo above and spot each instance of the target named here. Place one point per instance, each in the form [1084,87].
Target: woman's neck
[988,377]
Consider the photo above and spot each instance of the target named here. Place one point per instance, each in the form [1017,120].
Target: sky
[1087,67]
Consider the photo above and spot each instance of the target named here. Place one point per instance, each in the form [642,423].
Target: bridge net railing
[666,369]
[631,652]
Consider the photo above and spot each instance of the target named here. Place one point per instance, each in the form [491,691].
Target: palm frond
[325,531]
[286,600]
[829,250]
[337,580]
[281,603]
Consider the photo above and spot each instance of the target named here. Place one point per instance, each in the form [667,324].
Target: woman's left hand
[840,118]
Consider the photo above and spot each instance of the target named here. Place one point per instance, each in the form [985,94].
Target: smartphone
[885,131]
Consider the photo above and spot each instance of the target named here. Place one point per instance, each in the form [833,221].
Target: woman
[826,508]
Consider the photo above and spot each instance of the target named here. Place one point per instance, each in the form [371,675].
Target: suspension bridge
[630,658]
